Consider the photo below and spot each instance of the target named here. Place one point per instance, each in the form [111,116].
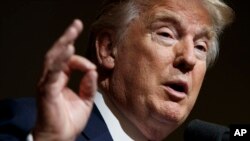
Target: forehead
[187,11]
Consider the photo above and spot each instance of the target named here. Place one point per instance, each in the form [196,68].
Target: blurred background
[29,28]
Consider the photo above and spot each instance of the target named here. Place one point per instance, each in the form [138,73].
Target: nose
[185,58]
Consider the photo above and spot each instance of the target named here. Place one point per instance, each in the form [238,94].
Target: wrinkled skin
[157,72]
[154,55]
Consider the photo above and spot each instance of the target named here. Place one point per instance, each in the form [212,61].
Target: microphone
[198,130]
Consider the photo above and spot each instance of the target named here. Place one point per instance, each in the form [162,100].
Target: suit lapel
[96,129]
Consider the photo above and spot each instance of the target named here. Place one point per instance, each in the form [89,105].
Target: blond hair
[117,14]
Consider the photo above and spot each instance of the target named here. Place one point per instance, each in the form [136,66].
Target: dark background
[29,28]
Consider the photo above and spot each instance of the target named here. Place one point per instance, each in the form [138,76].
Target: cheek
[142,59]
[135,78]
[198,75]
[197,80]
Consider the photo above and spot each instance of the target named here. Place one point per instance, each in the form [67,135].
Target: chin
[158,133]
[159,129]
[168,112]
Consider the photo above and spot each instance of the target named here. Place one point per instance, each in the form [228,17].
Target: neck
[128,127]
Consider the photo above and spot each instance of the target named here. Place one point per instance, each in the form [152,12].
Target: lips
[177,90]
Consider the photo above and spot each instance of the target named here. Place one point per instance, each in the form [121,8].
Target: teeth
[177,87]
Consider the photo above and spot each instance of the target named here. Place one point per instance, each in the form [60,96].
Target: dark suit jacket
[17,118]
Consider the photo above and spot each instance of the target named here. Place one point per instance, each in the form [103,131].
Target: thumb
[88,85]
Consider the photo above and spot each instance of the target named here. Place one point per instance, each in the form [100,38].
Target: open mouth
[179,87]
[177,90]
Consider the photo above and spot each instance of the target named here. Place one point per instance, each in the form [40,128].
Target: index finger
[81,63]
[71,33]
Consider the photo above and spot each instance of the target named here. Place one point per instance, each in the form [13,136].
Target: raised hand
[63,114]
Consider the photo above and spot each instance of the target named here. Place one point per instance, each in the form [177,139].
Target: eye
[202,46]
[165,36]
[165,32]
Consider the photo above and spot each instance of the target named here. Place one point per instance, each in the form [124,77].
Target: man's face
[160,66]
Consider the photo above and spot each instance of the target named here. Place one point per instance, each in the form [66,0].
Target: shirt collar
[110,119]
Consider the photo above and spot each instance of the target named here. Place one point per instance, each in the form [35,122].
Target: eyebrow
[169,16]
[165,16]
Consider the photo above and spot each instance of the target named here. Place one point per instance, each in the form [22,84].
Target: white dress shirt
[110,119]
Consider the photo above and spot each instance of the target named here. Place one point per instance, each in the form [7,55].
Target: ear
[105,49]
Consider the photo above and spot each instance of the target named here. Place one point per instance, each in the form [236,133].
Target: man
[151,58]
